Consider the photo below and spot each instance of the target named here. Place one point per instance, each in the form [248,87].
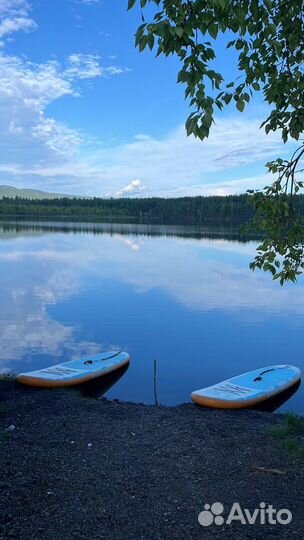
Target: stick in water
[155,383]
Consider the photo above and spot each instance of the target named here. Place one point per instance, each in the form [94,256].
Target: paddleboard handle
[259,377]
[103,359]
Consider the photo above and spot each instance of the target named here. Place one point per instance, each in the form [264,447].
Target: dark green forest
[233,209]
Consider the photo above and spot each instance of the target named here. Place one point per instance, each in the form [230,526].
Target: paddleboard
[75,371]
[249,389]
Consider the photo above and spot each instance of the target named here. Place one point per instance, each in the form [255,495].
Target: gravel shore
[87,469]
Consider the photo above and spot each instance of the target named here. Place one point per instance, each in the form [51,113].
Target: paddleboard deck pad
[249,389]
[75,371]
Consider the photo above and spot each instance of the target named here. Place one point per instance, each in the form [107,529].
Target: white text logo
[265,514]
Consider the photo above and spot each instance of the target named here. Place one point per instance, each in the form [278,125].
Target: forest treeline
[232,209]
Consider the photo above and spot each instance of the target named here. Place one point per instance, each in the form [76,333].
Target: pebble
[11,428]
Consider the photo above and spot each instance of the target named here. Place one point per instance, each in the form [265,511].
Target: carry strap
[103,359]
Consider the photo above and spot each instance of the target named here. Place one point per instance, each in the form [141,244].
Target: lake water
[183,296]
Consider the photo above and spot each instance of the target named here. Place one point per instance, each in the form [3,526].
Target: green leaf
[142,43]
[213,30]
[190,125]
[203,132]
[239,44]
[150,41]
[240,105]
[139,34]
[227,98]
[131,3]
[222,3]
[256,86]
[179,31]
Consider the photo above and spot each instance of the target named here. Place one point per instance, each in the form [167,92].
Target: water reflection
[182,295]
[276,402]
[98,387]
[11,229]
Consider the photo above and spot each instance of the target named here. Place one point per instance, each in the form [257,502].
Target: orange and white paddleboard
[249,389]
[75,371]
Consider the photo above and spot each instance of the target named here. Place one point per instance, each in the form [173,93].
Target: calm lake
[180,295]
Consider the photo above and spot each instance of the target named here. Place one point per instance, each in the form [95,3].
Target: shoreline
[79,468]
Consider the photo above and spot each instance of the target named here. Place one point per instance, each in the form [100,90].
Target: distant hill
[9,191]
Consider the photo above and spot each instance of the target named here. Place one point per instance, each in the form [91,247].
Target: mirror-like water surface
[180,295]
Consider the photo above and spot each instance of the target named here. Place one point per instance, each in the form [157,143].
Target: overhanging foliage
[268,37]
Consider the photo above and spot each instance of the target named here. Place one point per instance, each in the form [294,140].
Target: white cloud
[88,66]
[84,66]
[13,6]
[172,166]
[39,151]
[134,187]
[142,137]
[8,26]
[176,165]
[222,188]
[29,138]
[15,16]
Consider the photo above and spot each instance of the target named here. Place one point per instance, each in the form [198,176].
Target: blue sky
[82,112]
